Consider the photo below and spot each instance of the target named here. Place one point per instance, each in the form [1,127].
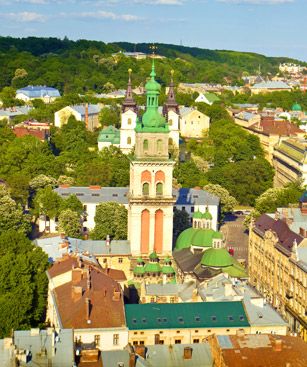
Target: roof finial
[153,72]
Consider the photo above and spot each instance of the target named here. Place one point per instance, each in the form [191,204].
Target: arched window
[145,144]
[159,188]
[145,188]
[128,140]
[159,145]
[170,122]
[129,121]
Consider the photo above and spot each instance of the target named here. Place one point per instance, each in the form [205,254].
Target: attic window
[134,321]
[95,194]
[230,318]
[115,195]
[79,194]
[65,194]
[159,319]
[164,319]
[180,319]
[213,318]
[144,321]
[195,196]
[197,318]
[242,318]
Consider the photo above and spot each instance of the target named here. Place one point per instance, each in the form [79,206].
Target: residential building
[270,131]
[193,124]
[189,200]
[257,351]
[290,161]
[88,113]
[83,298]
[46,94]
[278,266]
[269,87]
[247,119]
[10,113]
[290,68]
[40,130]
[208,98]
[183,323]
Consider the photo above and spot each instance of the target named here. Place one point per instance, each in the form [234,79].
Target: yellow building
[278,268]
[193,123]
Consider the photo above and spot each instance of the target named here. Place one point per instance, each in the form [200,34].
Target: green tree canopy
[227,201]
[70,223]
[47,202]
[71,203]
[111,219]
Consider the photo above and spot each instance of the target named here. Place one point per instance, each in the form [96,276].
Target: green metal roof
[153,256]
[235,270]
[185,315]
[168,269]
[296,107]
[109,134]
[139,270]
[197,215]
[152,267]
[203,238]
[211,97]
[217,258]
[199,237]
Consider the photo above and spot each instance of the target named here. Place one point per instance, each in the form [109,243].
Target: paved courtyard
[236,236]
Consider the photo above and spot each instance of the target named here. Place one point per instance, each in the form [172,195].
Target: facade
[47,94]
[183,323]
[246,119]
[10,113]
[278,268]
[193,124]
[40,130]
[290,161]
[269,87]
[83,298]
[89,113]
[150,212]
[290,68]
[108,136]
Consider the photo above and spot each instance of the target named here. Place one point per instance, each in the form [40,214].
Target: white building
[47,94]
[290,68]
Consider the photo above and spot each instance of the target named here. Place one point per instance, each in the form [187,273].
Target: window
[227,330]
[192,209]
[145,144]
[183,209]
[170,122]
[142,342]
[135,342]
[209,330]
[197,318]
[196,341]
[97,340]
[129,121]
[161,342]
[170,141]
[230,318]
[129,140]
[159,146]
[85,208]
[213,318]
[159,188]
[115,339]
[177,341]
[120,260]
[172,300]
[152,300]
[95,194]
[180,319]
[135,333]
[178,331]
[196,331]
[145,188]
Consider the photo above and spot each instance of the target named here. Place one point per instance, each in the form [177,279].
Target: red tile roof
[269,126]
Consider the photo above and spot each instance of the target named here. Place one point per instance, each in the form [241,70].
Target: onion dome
[296,107]
[139,269]
[153,256]
[152,85]
[217,258]
[197,237]
[197,215]
[167,267]
[153,267]
[207,215]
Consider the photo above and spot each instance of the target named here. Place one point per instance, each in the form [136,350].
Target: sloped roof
[39,91]
[185,315]
[93,109]
[294,148]
[271,85]
[270,126]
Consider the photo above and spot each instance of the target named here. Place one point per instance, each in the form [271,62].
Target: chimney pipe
[88,309]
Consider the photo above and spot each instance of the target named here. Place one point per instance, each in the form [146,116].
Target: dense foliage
[23,283]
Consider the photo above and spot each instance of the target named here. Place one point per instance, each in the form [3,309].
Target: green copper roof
[202,238]
[152,267]
[235,270]
[217,258]
[197,215]
[184,239]
[152,121]
[296,107]
[207,215]
[192,315]
[153,256]
[218,235]
[139,269]
[211,97]
[197,237]
[168,269]
[110,135]
[140,260]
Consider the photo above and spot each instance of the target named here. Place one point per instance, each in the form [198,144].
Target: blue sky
[271,27]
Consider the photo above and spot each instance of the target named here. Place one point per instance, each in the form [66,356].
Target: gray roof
[246,115]
[172,356]
[15,111]
[39,91]
[114,357]
[184,196]
[83,247]
[298,221]
[186,260]
[271,85]
[246,105]
[186,110]
[58,346]
[184,291]
[93,109]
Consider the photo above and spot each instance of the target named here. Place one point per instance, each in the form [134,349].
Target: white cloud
[257,2]
[100,14]
[25,16]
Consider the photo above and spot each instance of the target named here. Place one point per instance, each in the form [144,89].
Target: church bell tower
[150,216]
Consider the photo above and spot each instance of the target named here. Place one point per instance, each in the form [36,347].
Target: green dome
[152,85]
[153,256]
[296,107]
[184,240]
[168,269]
[139,260]
[203,238]
[207,215]
[197,215]
[152,268]
[139,270]
[217,258]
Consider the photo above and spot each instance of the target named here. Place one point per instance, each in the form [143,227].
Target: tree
[70,223]
[72,203]
[188,174]
[111,219]
[227,201]
[47,202]
[11,214]
[181,222]
[19,187]
[22,272]
[109,116]
[41,181]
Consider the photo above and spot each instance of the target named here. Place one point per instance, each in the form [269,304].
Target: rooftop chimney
[187,353]
[88,307]
[76,275]
[116,295]
[278,345]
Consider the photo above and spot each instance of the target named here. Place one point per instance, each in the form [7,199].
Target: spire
[153,72]
[171,104]
[129,103]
